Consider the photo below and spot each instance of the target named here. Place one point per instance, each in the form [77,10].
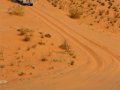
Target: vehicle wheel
[17,1]
[31,4]
[24,3]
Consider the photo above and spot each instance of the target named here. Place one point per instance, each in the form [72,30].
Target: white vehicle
[26,2]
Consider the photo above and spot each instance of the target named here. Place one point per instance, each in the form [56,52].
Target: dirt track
[100,67]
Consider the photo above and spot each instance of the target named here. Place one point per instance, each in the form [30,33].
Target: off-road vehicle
[26,2]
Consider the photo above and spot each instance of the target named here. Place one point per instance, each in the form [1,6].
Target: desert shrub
[2,66]
[24,31]
[16,10]
[41,43]
[71,62]
[75,12]
[43,59]
[27,38]
[21,73]
[54,3]
[48,35]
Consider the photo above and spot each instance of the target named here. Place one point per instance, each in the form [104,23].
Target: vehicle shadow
[15,1]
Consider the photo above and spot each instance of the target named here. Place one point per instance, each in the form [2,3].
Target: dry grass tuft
[65,46]
[16,10]
[24,31]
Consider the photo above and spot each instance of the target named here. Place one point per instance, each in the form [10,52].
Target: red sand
[96,54]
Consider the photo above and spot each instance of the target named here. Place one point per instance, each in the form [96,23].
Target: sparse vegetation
[27,56]
[26,32]
[103,13]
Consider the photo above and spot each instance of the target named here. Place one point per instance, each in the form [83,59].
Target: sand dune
[96,61]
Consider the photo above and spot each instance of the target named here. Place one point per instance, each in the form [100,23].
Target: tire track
[98,59]
[64,33]
[105,49]
[51,24]
[64,24]
[92,42]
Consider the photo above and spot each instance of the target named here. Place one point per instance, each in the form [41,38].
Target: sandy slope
[98,65]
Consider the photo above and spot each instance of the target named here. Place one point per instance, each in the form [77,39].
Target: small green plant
[16,10]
